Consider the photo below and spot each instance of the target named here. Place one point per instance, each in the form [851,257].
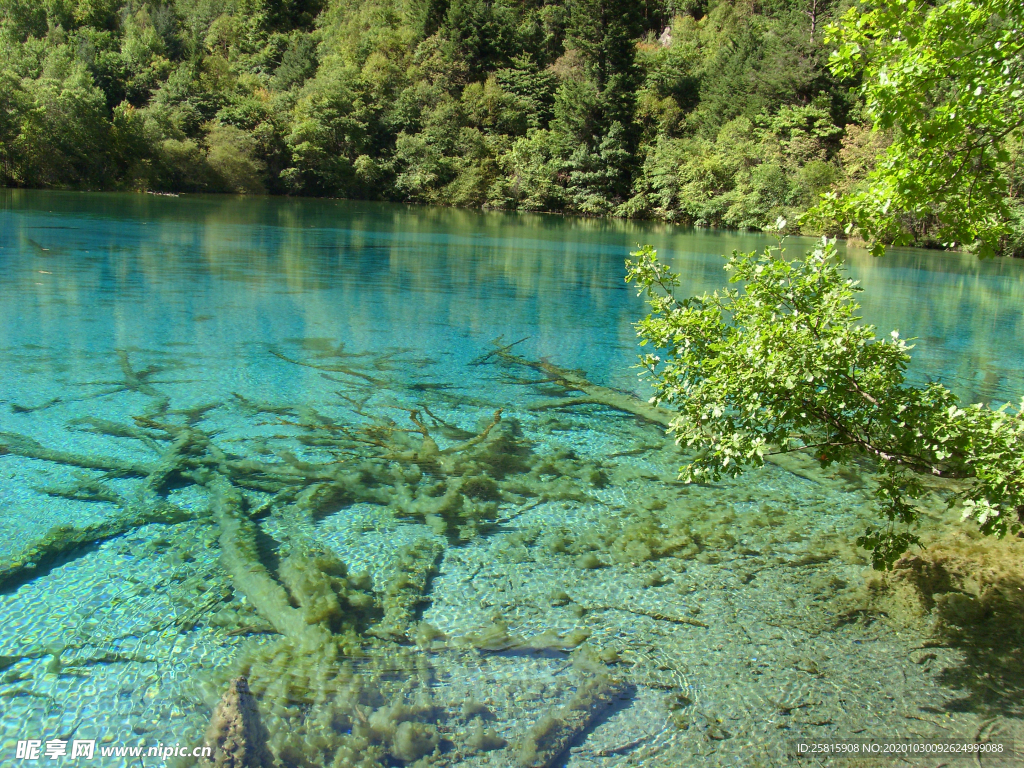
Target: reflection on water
[217,267]
[347,451]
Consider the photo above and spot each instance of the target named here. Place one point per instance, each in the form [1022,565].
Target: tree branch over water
[782,364]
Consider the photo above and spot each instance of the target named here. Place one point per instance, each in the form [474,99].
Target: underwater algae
[343,668]
[319,709]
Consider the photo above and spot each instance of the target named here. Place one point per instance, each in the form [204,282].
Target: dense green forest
[711,113]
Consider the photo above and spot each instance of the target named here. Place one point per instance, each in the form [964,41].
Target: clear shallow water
[124,306]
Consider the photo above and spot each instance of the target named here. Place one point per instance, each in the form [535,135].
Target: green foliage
[946,82]
[327,134]
[531,171]
[704,113]
[231,154]
[63,130]
[535,104]
[534,89]
[298,62]
[13,106]
[598,178]
[753,172]
[782,364]
[603,32]
[426,15]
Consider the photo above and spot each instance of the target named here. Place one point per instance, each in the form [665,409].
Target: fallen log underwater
[328,679]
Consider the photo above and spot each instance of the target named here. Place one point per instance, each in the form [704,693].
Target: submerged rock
[236,735]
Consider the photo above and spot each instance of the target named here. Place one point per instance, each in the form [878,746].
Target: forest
[709,113]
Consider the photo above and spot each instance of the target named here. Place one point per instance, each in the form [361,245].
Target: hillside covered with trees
[712,113]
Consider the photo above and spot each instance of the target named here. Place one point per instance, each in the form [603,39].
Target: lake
[332,447]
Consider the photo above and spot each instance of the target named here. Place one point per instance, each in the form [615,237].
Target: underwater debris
[957,589]
[135,381]
[405,590]
[116,429]
[17,408]
[21,445]
[323,709]
[589,561]
[656,615]
[481,739]
[594,394]
[574,381]
[85,489]
[550,737]
[323,615]
[240,558]
[333,368]
[236,735]
[348,680]
[456,489]
[496,639]
[63,539]
[411,740]
[253,408]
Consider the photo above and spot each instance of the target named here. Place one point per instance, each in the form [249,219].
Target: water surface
[314,337]
[82,270]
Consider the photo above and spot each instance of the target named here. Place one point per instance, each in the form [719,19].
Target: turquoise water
[310,333]
[220,272]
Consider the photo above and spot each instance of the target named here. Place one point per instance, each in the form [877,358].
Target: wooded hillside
[720,113]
